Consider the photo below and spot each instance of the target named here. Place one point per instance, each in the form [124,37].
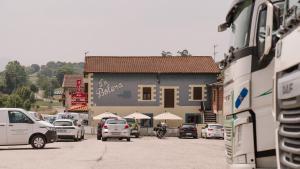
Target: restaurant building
[151,85]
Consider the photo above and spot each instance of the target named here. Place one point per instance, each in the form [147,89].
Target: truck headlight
[50,128]
[241,159]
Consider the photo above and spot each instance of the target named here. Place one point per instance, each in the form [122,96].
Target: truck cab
[287,88]
[17,127]
[248,83]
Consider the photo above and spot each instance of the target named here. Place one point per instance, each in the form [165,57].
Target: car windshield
[188,125]
[116,122]
[62,123]
[293,4]
[34,116]
[215,126]
[130,121]
[240,25]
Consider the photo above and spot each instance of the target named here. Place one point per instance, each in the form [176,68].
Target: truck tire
[38,142]
[128,139]
[98,137]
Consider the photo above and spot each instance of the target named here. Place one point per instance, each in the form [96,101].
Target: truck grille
[289,126]
[228,139]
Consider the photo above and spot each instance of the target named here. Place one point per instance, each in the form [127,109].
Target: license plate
[188,134]
[115,133]
[61,131]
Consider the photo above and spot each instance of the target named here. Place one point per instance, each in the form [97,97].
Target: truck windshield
[293,3]
[240,25]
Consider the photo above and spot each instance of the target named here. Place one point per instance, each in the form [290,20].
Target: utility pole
[85,53]
[215,52]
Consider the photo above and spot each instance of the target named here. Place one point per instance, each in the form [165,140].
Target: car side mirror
[223,27]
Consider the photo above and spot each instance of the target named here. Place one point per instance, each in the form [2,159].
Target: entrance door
[19,128]
[3,125]
[169,98]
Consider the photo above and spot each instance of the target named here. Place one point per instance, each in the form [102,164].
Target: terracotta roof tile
[71,80]
[150,64]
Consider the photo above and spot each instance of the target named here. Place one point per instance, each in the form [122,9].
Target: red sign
[79,98]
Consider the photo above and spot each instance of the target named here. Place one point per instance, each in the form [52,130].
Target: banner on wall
[79,97]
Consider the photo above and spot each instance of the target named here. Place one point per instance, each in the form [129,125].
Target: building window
[147,93]
[194,118]
[215,95]
[197,93]
[147,123]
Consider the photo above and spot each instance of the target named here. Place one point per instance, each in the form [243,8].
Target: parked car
[100,126]
[67,129]
[116,128]
[213,131]
[82,130]
[188,130]
[17,127]
[134,127]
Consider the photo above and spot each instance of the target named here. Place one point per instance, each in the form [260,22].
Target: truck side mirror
[269,28]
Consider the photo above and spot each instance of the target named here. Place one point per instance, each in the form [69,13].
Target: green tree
[14,100]
[34,88]
[35,68]
[14,76]
[66,69]
[3,100]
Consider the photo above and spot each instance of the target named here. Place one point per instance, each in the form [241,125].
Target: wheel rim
[38,142]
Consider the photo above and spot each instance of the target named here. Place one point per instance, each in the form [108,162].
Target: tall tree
[14,76]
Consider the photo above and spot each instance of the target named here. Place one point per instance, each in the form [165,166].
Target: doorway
[169,98]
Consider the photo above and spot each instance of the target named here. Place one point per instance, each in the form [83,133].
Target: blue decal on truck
[241,97]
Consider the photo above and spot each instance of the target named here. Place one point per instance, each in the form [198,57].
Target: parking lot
[146,153]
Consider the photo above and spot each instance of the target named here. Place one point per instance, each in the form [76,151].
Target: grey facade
[116,89]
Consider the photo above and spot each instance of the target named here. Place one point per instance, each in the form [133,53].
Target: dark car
[188,130]
[100,126]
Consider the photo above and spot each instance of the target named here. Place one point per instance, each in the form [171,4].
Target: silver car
[116,128]
[213,131]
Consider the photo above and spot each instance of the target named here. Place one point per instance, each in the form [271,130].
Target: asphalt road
[142,153]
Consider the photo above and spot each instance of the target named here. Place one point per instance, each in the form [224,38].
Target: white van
[17,127]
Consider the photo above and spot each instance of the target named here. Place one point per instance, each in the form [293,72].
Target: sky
[38,31]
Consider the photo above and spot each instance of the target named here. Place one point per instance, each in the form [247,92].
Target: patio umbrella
[138,116]
[167,116]
[105,115]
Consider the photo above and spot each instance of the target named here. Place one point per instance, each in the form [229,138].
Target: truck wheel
[128,139]
[38,142]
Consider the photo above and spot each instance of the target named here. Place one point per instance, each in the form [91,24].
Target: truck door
[3,126]
[19,128]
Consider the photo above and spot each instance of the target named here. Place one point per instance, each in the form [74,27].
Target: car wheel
[98,137]
[120,138]
[128,139]
[104,139]
[82,137]
[137,135]
[38,142]
[196,137]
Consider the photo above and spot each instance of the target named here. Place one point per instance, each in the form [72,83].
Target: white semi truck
[248,83]
[287,89]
